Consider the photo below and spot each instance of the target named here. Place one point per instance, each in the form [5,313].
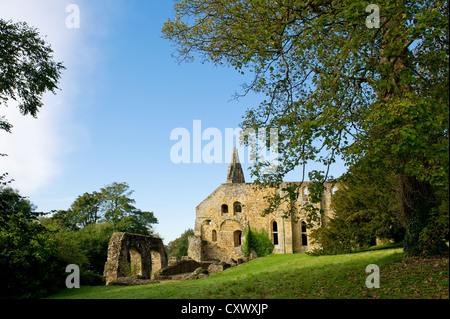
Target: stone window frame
[304,233]
[235,211]
[274,232]
[206,222]
[305,193]
[224,209]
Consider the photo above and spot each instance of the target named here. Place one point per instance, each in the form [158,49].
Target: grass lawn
[299,276]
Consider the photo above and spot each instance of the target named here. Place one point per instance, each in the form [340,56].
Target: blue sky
[121,96]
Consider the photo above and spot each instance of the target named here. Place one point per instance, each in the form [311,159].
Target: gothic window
[305,193]
[275,233]
[304,235]
[224,209]
[237,207]
[214,235]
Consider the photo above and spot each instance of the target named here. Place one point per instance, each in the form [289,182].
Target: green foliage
[86,247]
[27,68]
[85,210]
[299,276]
[179,247]
[259,241]
[334,87]
[29,261]
[364,208]
[112,203]
[435,233]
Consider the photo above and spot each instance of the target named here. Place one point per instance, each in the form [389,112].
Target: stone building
[222,217]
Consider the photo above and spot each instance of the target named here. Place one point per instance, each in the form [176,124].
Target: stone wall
[132,255]
[180,267]
[223,216]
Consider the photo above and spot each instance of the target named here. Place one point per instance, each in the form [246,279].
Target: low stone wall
[180,267]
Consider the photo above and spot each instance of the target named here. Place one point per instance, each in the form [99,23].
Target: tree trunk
[416,201]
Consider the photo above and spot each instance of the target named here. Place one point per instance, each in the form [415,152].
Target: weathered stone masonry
[146,256]
[223,216]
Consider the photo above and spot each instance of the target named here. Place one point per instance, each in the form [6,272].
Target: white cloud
[36,146]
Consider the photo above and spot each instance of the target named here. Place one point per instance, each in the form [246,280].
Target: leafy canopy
[333,86]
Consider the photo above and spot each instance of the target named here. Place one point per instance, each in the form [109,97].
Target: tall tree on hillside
[118,207]
[341,78]
[86,209]
[113,203]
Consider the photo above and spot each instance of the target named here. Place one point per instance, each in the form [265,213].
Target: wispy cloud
[36,147]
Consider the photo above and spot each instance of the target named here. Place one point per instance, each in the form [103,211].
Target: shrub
[259,241]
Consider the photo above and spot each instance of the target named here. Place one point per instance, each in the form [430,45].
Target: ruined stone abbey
[220,222]
[223,216]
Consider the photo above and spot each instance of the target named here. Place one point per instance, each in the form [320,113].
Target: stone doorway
[132,255]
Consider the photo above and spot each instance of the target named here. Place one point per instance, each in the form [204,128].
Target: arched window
[304,235]
[134,261]
[305,193]
[224,209]
[237,207]
[214,235]
[207,222]
[237,238]
[275,233]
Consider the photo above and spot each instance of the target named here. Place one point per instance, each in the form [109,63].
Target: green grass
[299,276]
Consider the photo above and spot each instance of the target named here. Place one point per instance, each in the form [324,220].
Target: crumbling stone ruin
[220,222]
[222,217]
[134,256]
[139,260]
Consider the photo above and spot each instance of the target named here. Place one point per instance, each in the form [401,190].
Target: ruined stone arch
[146,256]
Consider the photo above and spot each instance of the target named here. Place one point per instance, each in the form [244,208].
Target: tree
[335,87]
[179,247]
[118,208]
[116,201]
[365,208]
[113,203]
[30,264]
[85,210]
[27,70]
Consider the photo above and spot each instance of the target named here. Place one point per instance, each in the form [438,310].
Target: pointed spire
[235,173]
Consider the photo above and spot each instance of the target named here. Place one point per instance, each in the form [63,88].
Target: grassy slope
[300,276]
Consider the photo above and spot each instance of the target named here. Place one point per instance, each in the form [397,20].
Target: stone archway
[147,255]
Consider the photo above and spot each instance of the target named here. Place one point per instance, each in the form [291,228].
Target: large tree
[113,203]
[338,85]
[27,69]
[29,261]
